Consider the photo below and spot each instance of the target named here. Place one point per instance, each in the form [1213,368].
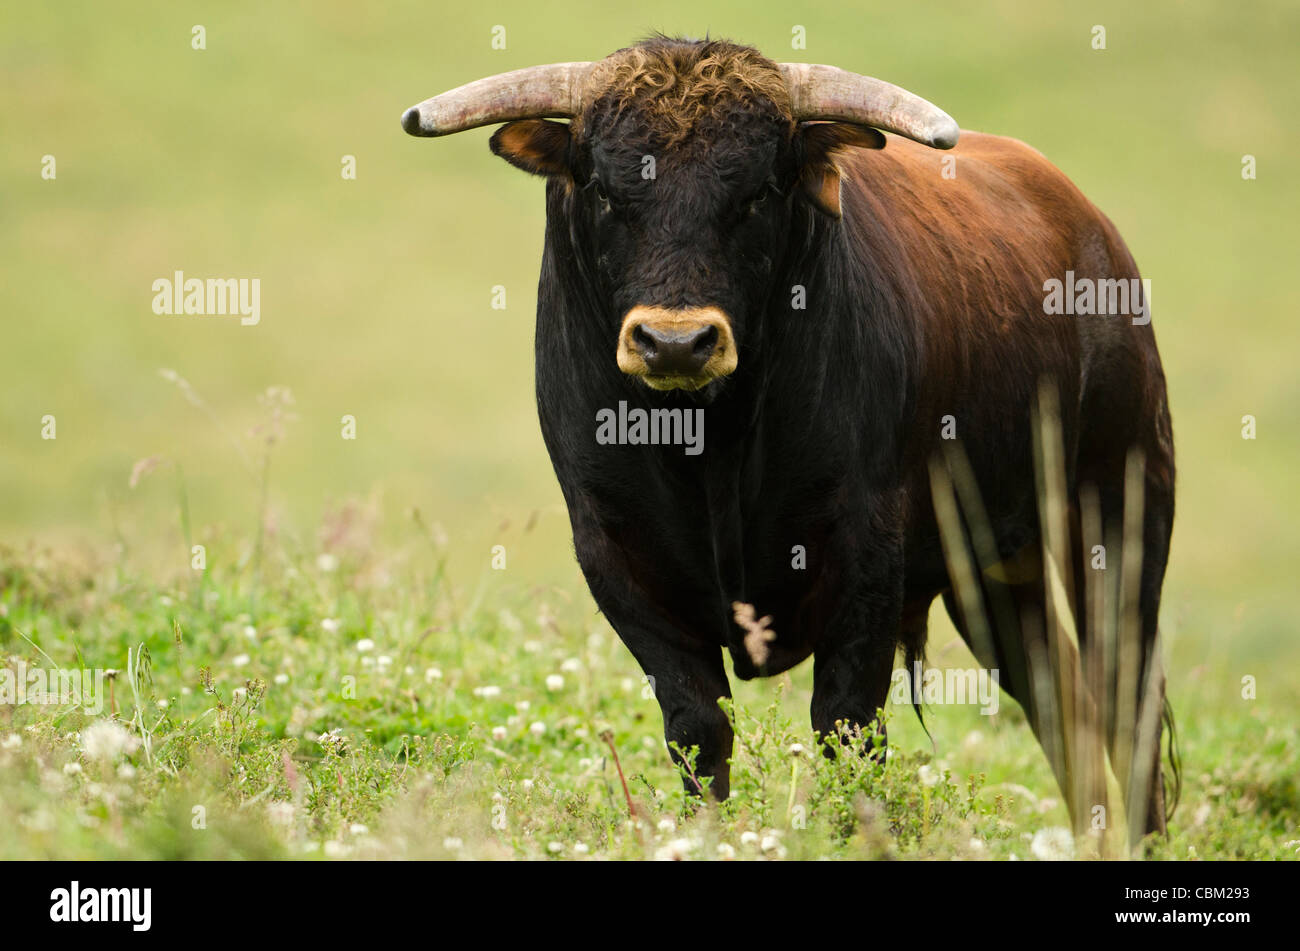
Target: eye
[759,201]
[598,190]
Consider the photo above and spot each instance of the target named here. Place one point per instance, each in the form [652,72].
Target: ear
[818,144]
[535,145]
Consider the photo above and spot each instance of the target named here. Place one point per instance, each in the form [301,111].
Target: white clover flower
[528,785]
[749,838]
[927,775]
[239,693]
[164,704]
[335,849]
[71,769]
[580,848]
[726,851]
[452,844]
[976,844]
[1052,844]
[250,632]
[537,728]
[555,848]
[522,705]
[11,742]
[240,660]
[358,828]
[330,625]
[126,771]
[281,679]
[326,562]
[554,682]
[498,733]
[667,825]
[106,740]
[384,661]
[795,749]
[677,850]
[333,740]
[532,647]
[627,683]
[364,645]
[432,674]
[571,665]
[487,692]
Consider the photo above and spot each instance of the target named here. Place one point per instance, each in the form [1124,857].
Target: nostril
[705,342]
[643,341]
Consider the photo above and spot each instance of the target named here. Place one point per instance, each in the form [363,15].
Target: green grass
[376,303]
[354,706]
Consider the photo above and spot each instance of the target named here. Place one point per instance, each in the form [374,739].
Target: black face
[685,225]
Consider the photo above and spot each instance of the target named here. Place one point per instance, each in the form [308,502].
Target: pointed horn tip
[415,124]
[411,122]
[945,134]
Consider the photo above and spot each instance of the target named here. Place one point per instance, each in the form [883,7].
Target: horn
[538,92]
[826,92]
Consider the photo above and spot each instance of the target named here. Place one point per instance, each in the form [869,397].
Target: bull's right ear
[535,145]
[818,144]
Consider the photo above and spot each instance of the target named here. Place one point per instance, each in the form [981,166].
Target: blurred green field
[376,293]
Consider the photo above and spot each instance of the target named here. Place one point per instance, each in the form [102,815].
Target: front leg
[688,681]
[853,663]
[850,683]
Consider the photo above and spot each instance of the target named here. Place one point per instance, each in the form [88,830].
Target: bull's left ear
[535,145]
[818,144]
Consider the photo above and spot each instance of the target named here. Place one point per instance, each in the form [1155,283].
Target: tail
[914,658]
[1173,780]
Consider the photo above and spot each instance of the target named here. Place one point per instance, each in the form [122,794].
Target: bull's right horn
[538,92]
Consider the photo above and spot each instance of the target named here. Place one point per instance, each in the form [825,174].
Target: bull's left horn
[538,92]
[827,92]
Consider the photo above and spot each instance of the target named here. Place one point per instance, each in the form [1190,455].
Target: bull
[786,253]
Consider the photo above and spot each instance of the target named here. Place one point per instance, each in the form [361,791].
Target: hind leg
[1118,624]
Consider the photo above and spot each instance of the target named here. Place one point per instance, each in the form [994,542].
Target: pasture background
[376,292]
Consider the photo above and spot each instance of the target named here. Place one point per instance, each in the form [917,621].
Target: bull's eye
[598,190]
[759,201]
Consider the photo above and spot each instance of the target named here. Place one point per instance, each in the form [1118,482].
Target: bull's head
[679,171]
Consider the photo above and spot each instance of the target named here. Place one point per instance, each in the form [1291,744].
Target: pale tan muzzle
[676,349]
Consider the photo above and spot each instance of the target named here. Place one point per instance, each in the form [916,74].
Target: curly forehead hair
[677,83]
